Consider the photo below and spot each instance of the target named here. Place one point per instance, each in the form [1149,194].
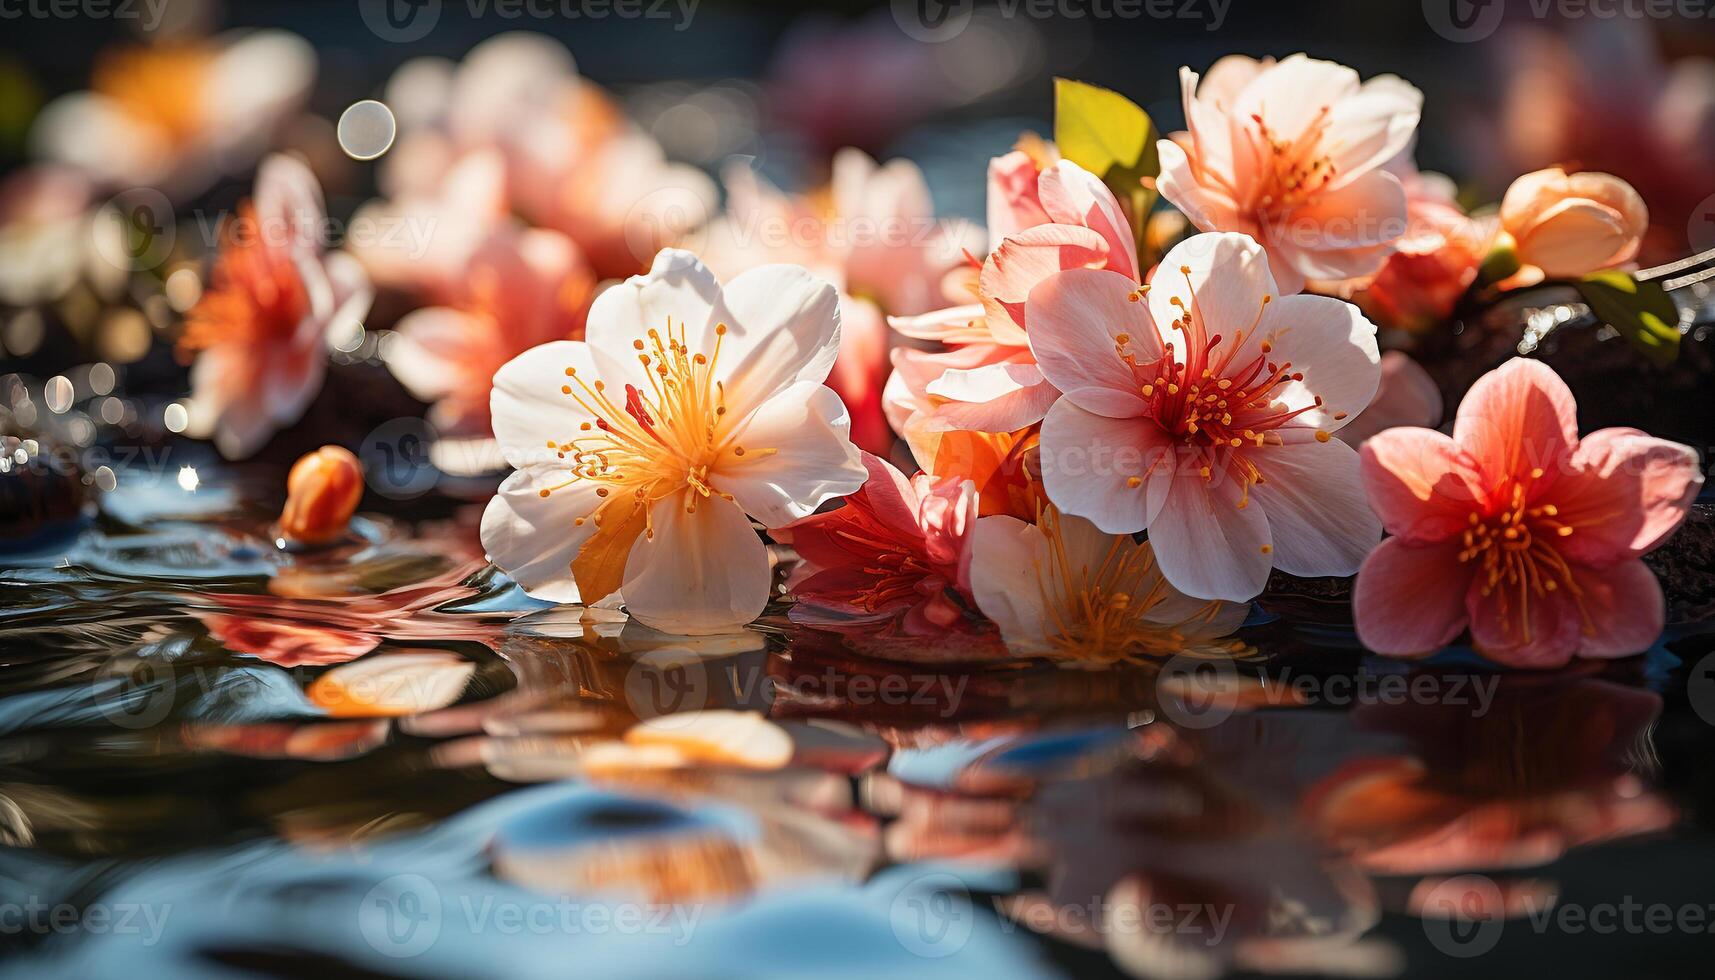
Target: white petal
[1318,515]
[678,288]
[1089,461]
[813,459]
[1229,276]
[1332,343]
[534,538]
[527,403]
[1208,546]
[702,572]
[1005,556]
[783,327]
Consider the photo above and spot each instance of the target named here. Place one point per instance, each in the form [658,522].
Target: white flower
[640,452]
[1063,589]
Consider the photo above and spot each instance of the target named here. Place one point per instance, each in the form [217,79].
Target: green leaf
[1642,312]
[1110,136]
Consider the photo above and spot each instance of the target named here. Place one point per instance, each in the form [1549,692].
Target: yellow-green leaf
[1642,312]
[1112,137]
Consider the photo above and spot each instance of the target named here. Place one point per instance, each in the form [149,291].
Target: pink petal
[1421,484]
[1333,344]
[1013,201]
[1001,397]
[1367,211]
[1544,633]
[1370,128]
[1517,418]
[1073,196]
[1625,609]
[1075,320]
[1410,599]
[1014,268]
[1209,547]
[1315,506]
[1624,494]
[1089,461]
[1228,276]
[1405,395]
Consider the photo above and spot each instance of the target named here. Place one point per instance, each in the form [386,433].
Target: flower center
[1208,399]
[1289,171]
[255,296]
[1516,559]
[1099,615]
[656,443]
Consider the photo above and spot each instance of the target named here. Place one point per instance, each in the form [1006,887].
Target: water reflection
[379,758]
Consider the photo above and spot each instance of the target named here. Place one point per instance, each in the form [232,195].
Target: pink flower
[1004,391]
[1292,154]
[1014,202]
[523,287]
[261,328]
[1515,528]
[1201,409]
[896,554]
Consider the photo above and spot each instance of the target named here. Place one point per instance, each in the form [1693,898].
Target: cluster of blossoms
[1113,458]
[1116,429]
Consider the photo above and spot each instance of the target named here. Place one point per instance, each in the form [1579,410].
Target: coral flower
[896,554]
[1437,260]
[641,452]
[524,287]
[1062,588]
[1572,224]
[1293,155]
[1202,408]
[261,329]
[1519,530]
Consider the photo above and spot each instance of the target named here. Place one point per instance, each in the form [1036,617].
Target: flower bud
[322,492]
[1569,225]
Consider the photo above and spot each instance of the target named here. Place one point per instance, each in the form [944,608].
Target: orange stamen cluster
[1291,170]
[674,436]
[1514,549]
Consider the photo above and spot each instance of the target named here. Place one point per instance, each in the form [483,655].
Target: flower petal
[1544,633]
[813,459]
[1089,461]
[1073,196]
[1001,397]
[1421,484]
[677,289]
[703,572]
[1209,547]
[784,329]
[1624,607]
[1314,500]
[1006,555]
[1014,268]
[1076,318]
[529,407]
[1224,288]
[535,538]
[1334,345]
[1410,599]
[1625,493]
[1517,418]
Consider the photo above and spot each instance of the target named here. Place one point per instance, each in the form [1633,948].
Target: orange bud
[1568,225]
[322,492]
